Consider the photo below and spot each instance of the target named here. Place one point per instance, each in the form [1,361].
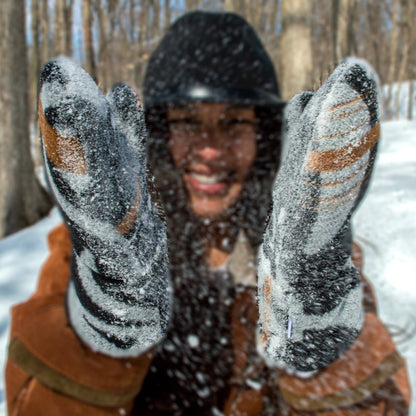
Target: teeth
[209,180]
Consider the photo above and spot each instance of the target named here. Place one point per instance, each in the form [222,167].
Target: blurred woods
[113,40]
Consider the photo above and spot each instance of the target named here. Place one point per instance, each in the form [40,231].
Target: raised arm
[116,307]
[313,325]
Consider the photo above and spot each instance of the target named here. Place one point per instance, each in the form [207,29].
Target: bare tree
[63,27]
[322,29]
[67,13]
[305,38]
[394,42]
[405,24]
[236,6]
[374,41]
[344,18]
[263,16]
[34,78]
[87,22]
[22,199]
[412,60]
[191,4]
[271,10]
[105,12]
[59,28]
[166,15]
[410,102]
[155,18]
[295,47]
[141,55]
[44,29]
[36,59]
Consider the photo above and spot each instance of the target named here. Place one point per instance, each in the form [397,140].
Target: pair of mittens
[119,296]
[310,297]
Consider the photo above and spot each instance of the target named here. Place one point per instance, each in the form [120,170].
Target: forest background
[113,39]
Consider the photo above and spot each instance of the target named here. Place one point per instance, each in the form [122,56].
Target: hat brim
[211,94]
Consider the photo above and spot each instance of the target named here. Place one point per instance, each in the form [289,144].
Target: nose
[210,144]
[209,152]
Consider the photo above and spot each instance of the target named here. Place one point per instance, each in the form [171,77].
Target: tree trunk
[344,11]
[191,4]
[412,61]
[34,80]
[334,29]
[237,6]
[405,41]
[103,48]
[22,200]
[111,38]
[271,16]
[142,53]
[35,61]
[393,57]
[295,47]
[44,23]
[67,13]
[132,43]
[59,28]
[373,17]
[166,15]
[156,21]
[409,109]
[258,19]
[87,21]
[229,5]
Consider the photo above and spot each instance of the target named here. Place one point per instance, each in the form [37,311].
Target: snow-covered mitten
[118,299]
[309,291]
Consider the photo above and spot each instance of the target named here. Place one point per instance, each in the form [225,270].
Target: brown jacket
[51,372]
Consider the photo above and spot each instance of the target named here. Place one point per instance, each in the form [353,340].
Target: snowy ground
[21,256]
[385,225]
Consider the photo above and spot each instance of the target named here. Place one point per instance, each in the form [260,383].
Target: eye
[182,120]
[230,121]
[184,124]
[238,126]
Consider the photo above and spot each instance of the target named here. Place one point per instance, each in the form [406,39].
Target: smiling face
[213,147]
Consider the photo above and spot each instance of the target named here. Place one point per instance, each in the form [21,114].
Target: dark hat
[211,57]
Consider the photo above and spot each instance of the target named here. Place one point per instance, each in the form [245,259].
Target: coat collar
[242,262]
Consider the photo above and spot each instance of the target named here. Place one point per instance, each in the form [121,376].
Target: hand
[119,294]
[309,291]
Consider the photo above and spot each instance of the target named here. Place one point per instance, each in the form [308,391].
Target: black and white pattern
[119,296]
[309,290]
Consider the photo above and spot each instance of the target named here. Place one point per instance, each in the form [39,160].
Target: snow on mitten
[118,299]
[309,291]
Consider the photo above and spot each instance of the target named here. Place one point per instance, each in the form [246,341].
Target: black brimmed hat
[211,57]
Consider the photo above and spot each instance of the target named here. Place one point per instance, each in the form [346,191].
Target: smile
[208,183]
[209,179]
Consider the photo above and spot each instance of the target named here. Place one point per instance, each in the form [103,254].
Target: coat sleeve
[49,370]
[369,379]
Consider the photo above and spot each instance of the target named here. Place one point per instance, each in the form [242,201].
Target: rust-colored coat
[51,372]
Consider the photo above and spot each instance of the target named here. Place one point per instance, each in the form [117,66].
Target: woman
[136,333]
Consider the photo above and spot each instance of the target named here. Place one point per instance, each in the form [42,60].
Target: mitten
[118,299]
[309,291]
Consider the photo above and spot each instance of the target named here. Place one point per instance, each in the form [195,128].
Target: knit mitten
[118,299]
[309,291]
